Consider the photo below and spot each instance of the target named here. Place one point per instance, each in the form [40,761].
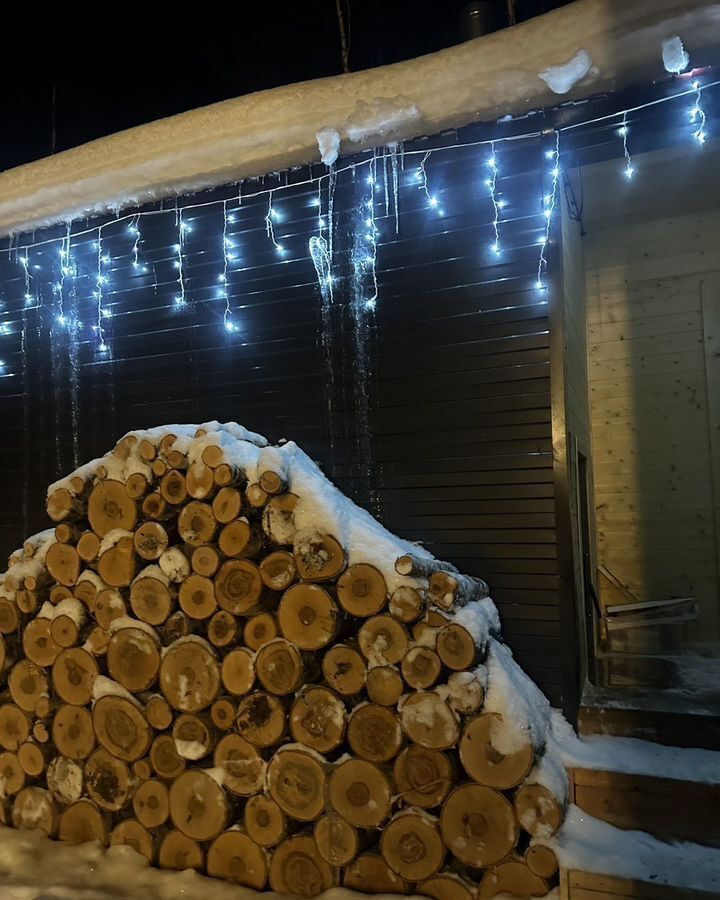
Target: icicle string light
[33,279]
[24,260]
[697,115]
[370,260]
[313,180]
[101,280]
[180,299]
[65,267]
[491,182]
[134,229]
[228,323]
[623,130]
[423,179]
[549,201]
[272,215]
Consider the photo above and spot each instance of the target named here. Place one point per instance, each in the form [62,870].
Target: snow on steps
[676,727]
[670,792]
[600,861]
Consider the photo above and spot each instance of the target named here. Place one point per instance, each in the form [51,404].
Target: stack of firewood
[190,674]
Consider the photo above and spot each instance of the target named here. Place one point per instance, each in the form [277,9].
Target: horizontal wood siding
[448,437]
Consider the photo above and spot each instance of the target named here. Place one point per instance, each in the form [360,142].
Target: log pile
[188,672]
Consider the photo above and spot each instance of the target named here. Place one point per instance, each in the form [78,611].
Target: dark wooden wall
[449,438]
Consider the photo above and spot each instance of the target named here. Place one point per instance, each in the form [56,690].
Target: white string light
[549,208]
[65,272]
[98,293]
[312,180]
[24,260]
[432,200]
[272,214]
[491,182]
[370,259]
[180,299]
[697,115]
[368,234]
[623,130]
[228,323]
[134,230]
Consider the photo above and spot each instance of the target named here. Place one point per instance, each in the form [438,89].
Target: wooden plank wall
[650,415]
[579,431]
[456,446]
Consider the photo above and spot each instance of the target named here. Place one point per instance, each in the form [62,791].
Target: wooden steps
[663,726]
[684,815]
[588,886]
[669,809]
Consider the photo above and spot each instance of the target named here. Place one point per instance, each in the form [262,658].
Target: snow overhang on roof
[587,47]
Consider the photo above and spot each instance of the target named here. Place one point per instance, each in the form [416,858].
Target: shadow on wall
[653,304]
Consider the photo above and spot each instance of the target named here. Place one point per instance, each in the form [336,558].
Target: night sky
[135,66]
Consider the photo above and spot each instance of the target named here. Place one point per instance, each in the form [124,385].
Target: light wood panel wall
[652,290]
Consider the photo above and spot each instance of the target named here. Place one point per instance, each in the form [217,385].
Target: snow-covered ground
[32,867]
[585,48]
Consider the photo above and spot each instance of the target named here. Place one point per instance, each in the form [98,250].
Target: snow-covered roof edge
[589,46]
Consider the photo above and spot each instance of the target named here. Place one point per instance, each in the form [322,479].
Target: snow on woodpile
[584,48]
[218,659]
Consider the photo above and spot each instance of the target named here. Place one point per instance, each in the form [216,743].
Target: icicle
[386,183]
[364,296]
[331,211]
[74,378]
[58,324]
[396,193]
[321,260]
[320,253]
[26,414]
